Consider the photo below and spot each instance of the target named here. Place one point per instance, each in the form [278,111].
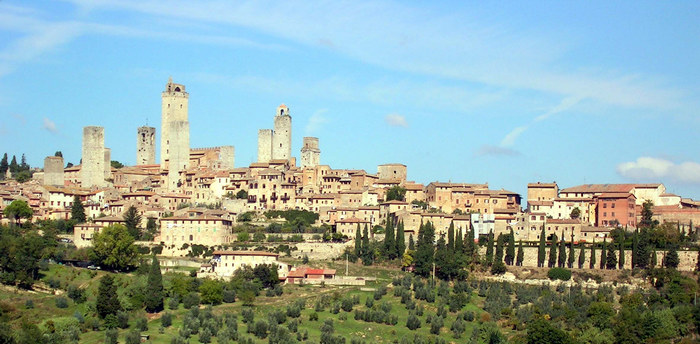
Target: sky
[501,92]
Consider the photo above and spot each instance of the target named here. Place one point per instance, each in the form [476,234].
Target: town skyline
[503,115]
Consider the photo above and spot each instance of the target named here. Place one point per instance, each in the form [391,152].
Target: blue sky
[499,92]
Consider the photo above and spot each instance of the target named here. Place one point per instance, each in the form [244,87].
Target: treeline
[20,171]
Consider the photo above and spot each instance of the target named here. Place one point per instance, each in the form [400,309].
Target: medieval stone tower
[179,152]
[173,109]
[264,145]
[92,169]
[53,171]
[310,154]
[146,146]
[108,163]
[282,134]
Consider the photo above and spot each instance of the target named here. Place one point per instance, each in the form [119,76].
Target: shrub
[76,294]
[559,274]
[167,319]
[142,324]
[313,316]
[260,329]
[173,303]
[191,300]
[29,304]
[248,315]
[111,336]
[132,337]
[61,302]
[413,322]
[229,296]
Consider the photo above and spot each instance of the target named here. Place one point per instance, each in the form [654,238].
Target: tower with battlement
[174,108]
[146,146]
[92,169]
[264,145]
[282,134]
[310,153]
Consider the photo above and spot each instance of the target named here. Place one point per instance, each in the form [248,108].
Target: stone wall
[227,156]
[92,169]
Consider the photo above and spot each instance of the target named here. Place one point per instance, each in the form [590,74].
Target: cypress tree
[450,237]
[621,259]
[77,211]
[582,257]
[611,260]
[132,221]
[635,244]
[367,254]
[561,260]
[541,250]
[154,288]
[389,240]
[603,254]
[498,258]
[671,258]
[400,240]
[697,265]
[489,249]
[107,301]
[521,255]
[592,262]
[644,249]
[426,250]
[411,243]
[443,260]
[459,242]
[4,165]
[552,261]
[14,167]
[571,252]
[358,241]
[510,251]
[653,259]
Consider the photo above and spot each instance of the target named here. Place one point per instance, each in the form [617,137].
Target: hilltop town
[190,188]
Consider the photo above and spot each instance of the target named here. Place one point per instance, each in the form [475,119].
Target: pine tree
[489,249]
[592,262]
[510,251]
[77,211]
[552,261]
[411,243]
[23,165]
[400,240]
[153,297]
[561,259]
[621,259]
[358,241]
[107,301]
[571,252]
[611,259]
[541,250]
[582,257]
[389,240]
[521,255]
[603,253]
[132,221]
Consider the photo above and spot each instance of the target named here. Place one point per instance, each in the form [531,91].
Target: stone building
[174,109]
[92,169]
[264,145]
[178,153]
[392,172]
[310,153]
[225,263]
[146,146]
[53,171]
[282,134]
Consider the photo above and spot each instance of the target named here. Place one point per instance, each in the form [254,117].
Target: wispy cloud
[316,121]
[496,151]
[49,125]
[564,105]
[655,169]
[396,120]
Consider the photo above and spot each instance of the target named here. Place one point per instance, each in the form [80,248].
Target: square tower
[174,108]
[92,169]
[146,146]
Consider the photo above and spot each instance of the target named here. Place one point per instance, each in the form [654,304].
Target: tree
[367,254]
[389,240]
[443,260]
[603,254]
[358,241]
[58,153]
[654,260]
[647,220]
[521,255]
[561,259]
[116,164]
[575,213]
[635,248]
[499,249]
[510,251]
[107,300]
[450,237]
[592,262]
[489,249]
[581,257]
[400,240]
[212,292]
[611,259]
[621,259]
[114,248]
[18,210]
[154,288]
[541,250]
[570,263]
[395,193]
[671,258]
[425,249]
[77,211]
[4,166]
[552,261]
[411,243]
[14,167]
[132,220]
[542,331]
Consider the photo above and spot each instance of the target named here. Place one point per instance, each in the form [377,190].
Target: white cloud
[648,168]
[509,139]
[316,121]
[49,125]
[496,151]
[396,120]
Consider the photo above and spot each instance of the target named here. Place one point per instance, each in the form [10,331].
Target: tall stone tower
[227,156]
[264,145]
[146,146]
[179,152]
[92,169]
[310,154]
[173,109]
[282,134]
[108,163]
[53,171]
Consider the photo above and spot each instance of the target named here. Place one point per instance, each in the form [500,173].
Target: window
[612,205]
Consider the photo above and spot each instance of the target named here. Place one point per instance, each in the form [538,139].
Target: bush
[111,336]
[413,322]
[167,319]
[132,337]
[191,300]
[76,294]
[313,316]
[248,315]
[559,274]
[29,304]
[498,268]
[174,303]
[229,296]
[260,329]
[142,324]
[61,302]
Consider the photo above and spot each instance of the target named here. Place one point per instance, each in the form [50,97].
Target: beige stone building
[225,263]
[203,230]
